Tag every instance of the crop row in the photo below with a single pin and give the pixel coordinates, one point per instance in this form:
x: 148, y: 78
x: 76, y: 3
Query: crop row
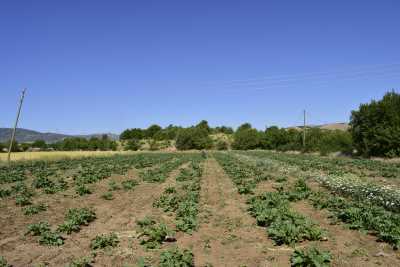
x: 183, y: 199
x: 272, y: 210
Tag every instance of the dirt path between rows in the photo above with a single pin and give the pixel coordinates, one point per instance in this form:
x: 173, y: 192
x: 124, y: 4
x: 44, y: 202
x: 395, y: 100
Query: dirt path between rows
x: 228, y: 235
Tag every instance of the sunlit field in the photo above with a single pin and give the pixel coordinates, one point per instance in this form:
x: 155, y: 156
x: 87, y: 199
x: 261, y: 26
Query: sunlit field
x: 231, y: 208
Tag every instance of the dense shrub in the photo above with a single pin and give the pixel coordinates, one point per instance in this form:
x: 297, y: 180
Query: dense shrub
x: 193, y: 138
x: 375, y: 127
x: 76, y: 143
x: 132, y: 144
x: 246, y: 139
x: 129, y: 134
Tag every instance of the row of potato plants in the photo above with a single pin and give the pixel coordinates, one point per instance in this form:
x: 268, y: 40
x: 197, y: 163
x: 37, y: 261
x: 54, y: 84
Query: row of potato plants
x: 183, y: 198
x: 359, y: 213
x: 272, y: 210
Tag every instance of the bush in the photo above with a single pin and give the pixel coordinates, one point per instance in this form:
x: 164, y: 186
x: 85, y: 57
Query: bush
x: 132, y: 144
x: 246, y: 139
x: 375, y: 127
x: 193, y: 138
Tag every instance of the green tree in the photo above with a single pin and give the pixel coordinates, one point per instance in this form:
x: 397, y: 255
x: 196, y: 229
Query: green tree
x: 193, y: 138
x: 133, y: 144
x: 152, y: 130
x: 204, y: 126
x: 375, y: 127
x: 244, y: 126
x: 135, y: 133
x: 246, y: 138
x: 39, y: 144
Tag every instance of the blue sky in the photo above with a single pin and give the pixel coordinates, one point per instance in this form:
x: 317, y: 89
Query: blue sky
x: 103, y: 66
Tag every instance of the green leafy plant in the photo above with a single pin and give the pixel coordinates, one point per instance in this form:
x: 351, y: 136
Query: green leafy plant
x: 51, y: 239
x: 81, y: 262
x: 311, y: 257
x: 75, y: 218
x: 113, y: 186
x: 107, y: 196
x: 104, y: 241
x: 46, y: 236
x: 129, y: 184
x: 176, y: 258
x: 82, y: 190
x: 34, y: 209
x: 38, y: 228
x: 4, y: 263
x: 152, y: 233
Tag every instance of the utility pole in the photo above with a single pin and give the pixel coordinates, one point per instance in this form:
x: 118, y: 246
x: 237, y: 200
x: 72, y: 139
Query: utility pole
x: 15, y: 126
x: 304, y: 131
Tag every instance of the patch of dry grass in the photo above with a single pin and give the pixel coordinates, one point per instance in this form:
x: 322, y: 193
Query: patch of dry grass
x: 56, y: 155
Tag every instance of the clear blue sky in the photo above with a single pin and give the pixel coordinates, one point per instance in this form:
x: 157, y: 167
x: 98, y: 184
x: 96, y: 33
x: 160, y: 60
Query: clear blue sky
x: 103, y: 66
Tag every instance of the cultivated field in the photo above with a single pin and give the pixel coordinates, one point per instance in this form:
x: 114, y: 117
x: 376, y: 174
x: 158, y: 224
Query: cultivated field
x: 254, y: 208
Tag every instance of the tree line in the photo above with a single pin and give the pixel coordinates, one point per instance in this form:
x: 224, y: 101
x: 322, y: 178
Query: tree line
x: 374, y: 131
x: 67, y: 144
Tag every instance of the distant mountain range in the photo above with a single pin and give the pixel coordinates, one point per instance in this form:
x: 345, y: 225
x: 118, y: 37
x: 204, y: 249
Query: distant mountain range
x: 25, y: 136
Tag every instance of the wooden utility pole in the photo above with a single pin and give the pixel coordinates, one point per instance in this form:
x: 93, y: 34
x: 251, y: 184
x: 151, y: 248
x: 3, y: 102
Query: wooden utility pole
x: 15, y: 126
x: 304, y: 130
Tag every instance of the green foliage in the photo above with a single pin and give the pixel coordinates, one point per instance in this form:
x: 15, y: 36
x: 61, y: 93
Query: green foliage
x: 113, y: 186
x: 5, y: 193
x: 375, y: 127
x: 93, y: 144
x: 51, y: 239
x: 81, y: 262
x: 129, y: 184
x: 38, y: 228
x: 104, y: 241
x: 311, y: 257
x: 152, y: 130
x: 284, y: 225
x: 153, y: 234
x: 176, y: 258
x: 132, y: 134
x: 46, y: 236
x: 3, y: 262
x: 246, y: 139
x: 23, y: 200
x: 75, y: 218
x: 203, y: 125
x: 193, y: 138
x: 39, y: 144
x: 34, y: 209
x: 82, y: 190
x: 107, y: 196
x: 132, y: 144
